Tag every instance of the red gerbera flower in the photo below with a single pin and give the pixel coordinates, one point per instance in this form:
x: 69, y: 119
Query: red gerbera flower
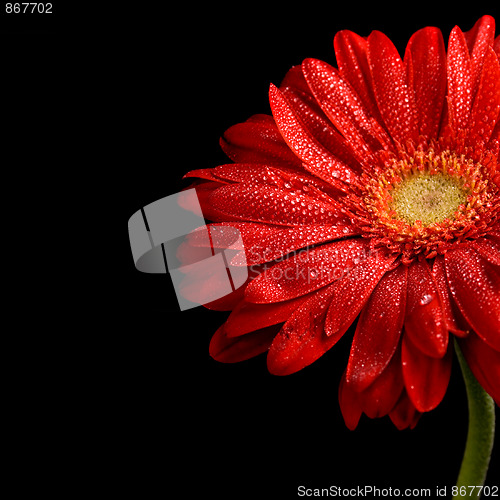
x: 372, y: 191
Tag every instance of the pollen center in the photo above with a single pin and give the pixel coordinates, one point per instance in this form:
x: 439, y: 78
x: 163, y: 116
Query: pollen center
x: 427, y: 201
x: 430, y: 198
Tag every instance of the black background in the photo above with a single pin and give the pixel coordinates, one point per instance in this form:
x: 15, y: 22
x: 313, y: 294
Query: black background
x: 141, y: 95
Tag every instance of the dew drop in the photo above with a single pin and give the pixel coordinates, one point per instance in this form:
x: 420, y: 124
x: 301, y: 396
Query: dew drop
x: 426, y: 299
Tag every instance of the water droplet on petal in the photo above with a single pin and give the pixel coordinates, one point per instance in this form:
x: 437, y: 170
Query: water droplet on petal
x: 426, y: 299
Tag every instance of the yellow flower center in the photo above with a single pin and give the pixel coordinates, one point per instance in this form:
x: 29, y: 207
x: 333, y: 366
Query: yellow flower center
x: 426, y: 202
x: 429, y: 198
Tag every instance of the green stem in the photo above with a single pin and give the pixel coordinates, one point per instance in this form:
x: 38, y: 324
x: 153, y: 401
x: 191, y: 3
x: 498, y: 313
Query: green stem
x: 480, y: 435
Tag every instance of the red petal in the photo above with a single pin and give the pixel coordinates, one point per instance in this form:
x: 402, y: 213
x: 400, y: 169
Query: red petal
x: 247, y: 317
x: 378, y: 330
x: 424, y: 322
x: 204, y: 173
x: 232, y: 350
x: 228, y: 302
x: 284, y: 241
x: 484, y: 363
x: 459, y: 80
x: 494, y: 233
x: 260, y: 243
x: 481, y: 34
x: 353, y: 292
x: 426, y: 55
x: 496, y: 46
x: 351, y: 52
x: 204, y: 190
x: 251, y: 173
x: 295, y: 79
x: 250, y: 232
x: 222, y: 235
x: 494, y: 144
x: 452, y: 316
x: 479, y: 39
x: 254, y: 203
x: 486, y: 105
x: 318, y: 126
x: 381, y: 397
x: 317, y: 158
x: 489, y: 249
x: 307, y: 271
x: 209, y: 285
x: 475, y: 286
x: 404, y: 414
x: 349, y: 404
x: 341, y: 104
x: 391, y: 90
x: 276, y: 176
x: 257, y: 141
x: 301, y: 341
x: 426, y: 379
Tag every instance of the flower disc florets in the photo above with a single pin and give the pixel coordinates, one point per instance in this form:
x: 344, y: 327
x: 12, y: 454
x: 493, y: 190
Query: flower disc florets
x: 427, y: 201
